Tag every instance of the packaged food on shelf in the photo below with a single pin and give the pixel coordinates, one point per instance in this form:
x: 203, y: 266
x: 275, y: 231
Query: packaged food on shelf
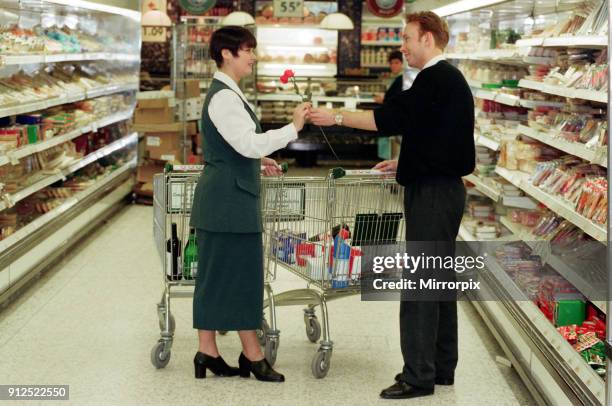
x: 58, y: 82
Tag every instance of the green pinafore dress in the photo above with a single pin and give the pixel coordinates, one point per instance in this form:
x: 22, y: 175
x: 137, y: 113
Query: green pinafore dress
x: 226, y: 214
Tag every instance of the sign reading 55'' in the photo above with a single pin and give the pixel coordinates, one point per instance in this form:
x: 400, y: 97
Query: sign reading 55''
x: 288, y: 8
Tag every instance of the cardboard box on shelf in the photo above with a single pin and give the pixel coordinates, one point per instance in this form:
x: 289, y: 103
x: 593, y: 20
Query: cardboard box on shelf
x: 148, y: 169
x: 164, y: 146
x: 192, y: 89
x: 154, y: 111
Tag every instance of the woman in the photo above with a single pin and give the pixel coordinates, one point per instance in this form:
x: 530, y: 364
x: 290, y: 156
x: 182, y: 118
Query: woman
x: 226, y: 211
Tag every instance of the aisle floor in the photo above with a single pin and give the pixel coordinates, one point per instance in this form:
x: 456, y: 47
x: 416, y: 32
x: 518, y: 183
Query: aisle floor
x: 91, y: 323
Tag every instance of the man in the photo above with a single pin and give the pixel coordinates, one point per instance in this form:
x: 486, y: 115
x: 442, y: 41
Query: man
x: 436, y: 119
x: 396, y: 65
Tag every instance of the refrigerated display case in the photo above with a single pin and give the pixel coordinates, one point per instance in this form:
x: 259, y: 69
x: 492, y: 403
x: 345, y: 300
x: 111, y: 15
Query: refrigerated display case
x: 539, y: 75
x: 68, y: 79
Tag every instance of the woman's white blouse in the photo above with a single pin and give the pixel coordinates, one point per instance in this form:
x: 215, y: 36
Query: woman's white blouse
x: 234, y: 123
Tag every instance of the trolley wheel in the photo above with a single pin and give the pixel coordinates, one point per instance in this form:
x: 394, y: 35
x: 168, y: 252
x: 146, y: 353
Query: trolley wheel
x: 162, y: 322
x: 271, y: 349
x: 321, y: 363
x: 313, y: 329
x: 222, y: 332
x: 263, y: 332
x: 159, y: 355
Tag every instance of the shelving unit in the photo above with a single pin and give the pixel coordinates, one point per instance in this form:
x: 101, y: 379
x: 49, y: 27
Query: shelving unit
x: 8, y: 60
x: 553, y: 370
x: 35, y: 245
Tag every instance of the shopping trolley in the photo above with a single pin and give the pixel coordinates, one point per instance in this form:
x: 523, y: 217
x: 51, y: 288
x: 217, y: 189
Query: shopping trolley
x: 173, y: 193
x: 322, y: 225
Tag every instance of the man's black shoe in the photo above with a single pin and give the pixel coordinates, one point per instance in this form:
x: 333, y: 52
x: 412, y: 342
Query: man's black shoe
x: 439, y: 381
x: 401, y: 390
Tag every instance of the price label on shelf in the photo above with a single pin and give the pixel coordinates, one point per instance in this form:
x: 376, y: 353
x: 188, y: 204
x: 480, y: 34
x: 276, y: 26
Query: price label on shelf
x: 154, y: 34
x: 288, y: 8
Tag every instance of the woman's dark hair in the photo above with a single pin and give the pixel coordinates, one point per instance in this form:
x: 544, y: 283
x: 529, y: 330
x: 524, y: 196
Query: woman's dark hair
x: 231, y: 38
x: 395, y: 55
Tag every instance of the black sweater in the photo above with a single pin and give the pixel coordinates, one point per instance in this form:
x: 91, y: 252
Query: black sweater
x: 436, y: 120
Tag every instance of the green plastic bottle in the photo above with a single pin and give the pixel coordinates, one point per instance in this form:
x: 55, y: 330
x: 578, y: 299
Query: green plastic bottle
x: 190, y: 256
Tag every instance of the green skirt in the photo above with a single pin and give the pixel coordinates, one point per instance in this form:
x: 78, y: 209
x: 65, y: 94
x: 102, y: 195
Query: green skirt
x: 230, y: 281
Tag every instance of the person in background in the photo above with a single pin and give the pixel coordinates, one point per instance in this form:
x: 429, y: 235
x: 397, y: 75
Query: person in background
x: 226, y: 211
x: 396, y: 65
x: 436, y: 120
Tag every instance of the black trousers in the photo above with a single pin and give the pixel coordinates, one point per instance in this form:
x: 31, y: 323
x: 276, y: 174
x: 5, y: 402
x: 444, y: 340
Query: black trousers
x: 428, y: 329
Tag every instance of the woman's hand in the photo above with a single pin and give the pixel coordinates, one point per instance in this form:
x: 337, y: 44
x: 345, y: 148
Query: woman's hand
x: 387, y: 166
x: 270, y: 167
x: 300, y: 114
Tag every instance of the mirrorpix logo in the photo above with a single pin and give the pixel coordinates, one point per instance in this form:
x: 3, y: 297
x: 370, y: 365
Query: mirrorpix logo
x: 197, y: 7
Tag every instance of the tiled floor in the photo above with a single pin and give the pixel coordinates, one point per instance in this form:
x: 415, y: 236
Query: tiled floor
x: 92, y: 322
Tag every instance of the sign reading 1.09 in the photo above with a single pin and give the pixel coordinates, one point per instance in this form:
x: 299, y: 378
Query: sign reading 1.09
x: 197, y: 7
x: 288, y: 8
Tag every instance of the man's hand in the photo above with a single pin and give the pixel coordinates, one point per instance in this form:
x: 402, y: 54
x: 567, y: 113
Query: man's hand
x: 387, y: 166
x: 323, y: 117
x: 379, y: 98
x: 270, y: 167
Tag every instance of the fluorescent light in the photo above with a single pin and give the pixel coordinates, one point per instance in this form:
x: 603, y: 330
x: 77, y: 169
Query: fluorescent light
x: 464, y: 5
x: 134, y: 15
x: 337, y: 21
x: 239, y: 18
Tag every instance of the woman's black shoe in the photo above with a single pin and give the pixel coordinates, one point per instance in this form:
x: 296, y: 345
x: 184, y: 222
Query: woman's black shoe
x: 261, y: 369
x: 217, y: 366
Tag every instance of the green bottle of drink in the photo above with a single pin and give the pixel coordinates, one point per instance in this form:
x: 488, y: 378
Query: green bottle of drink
x: 190, y: 256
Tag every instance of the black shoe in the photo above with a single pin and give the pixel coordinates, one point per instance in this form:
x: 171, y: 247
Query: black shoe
x: 401, y: 390
x: 439, y: 381
x: 217, y: 366
x: 261, y: 369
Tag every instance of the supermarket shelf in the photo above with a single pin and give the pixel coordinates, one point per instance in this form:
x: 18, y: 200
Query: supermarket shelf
x: 61, y: 174
x: 486, y: 142
x: 601, y: 97
x: 555, y: 203
x: 484, y: 187
x: 508, y: 55
x: 539, y: 60
x: 507, y: 99
x: 14, y: 156
x: 574, y: 276
x: 67, y: 98
x: 90, y: 5
x: 598, y: 156
x: 547, y: 334
x: 25, y: 231
x: 6, y: 60
x: 566, y: 41
x: 382, y: 43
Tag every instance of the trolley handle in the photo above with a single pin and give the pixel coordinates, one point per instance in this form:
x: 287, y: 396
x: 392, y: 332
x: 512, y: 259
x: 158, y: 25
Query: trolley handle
x: 337, y: 173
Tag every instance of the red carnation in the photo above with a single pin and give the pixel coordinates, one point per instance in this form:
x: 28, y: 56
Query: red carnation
x: 284, y: 79
x: 289, y: 73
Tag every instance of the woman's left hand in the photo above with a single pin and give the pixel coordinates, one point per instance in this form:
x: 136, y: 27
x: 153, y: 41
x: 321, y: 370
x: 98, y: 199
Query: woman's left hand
x: 270, y: 167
